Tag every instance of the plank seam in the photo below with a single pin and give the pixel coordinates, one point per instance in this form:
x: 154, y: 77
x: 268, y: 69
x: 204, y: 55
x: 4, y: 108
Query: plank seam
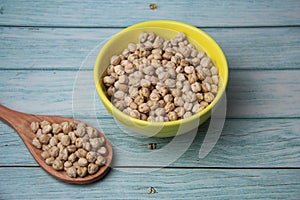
x: 121, y: 27
x: 175, y: 168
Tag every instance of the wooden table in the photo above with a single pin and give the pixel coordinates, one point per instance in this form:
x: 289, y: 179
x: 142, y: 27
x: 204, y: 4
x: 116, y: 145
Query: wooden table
x: 47, y: 51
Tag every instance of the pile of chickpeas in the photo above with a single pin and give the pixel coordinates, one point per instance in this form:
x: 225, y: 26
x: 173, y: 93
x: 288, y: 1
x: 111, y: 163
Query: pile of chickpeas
x: 73, y: 147
x: 161, y: 80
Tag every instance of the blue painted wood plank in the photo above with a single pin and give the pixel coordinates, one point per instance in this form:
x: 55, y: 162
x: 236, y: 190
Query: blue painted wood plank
x: 119, y: 13
x: 66, y: 48
x: 243, y: 143
x: 250, y: 93
x: 34, y: 183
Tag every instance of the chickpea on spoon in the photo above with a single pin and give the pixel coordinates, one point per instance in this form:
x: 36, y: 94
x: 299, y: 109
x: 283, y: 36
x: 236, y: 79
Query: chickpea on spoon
x: 67, y: 149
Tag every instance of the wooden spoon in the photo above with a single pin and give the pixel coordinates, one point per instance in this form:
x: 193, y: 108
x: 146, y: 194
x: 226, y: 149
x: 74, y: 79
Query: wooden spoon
x: 21, y: 123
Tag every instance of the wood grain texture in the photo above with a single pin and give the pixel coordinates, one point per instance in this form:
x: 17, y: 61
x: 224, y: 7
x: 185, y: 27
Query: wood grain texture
x: 66, y: 48
x: 93, y: 13
x: 168, y: 183
x: 253, y: 143
x: 250, y: 93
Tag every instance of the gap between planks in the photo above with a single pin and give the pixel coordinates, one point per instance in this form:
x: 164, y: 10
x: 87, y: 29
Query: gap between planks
x: 175, y: 168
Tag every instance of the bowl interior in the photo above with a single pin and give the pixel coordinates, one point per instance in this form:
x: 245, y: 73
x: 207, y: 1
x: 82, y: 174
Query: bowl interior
x: 166, y: 29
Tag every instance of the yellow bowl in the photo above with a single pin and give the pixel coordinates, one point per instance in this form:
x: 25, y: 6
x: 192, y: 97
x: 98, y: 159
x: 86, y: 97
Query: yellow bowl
x: 167, y: 29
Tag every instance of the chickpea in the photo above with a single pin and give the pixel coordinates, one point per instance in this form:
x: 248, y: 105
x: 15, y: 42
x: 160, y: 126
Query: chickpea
x: 67, y: 164
x: 66, y: 128
x: 71, y: 171
x: 214, y: 70
x: 208, y: 97
x: 201, y: 54
x: 134, y: 114
x: 178, y: 101
x: 205, y: 61
x: 49, y: 161
x: 63, y: 154
x: 44, y: 138
x: 196, y: 87
x: 82, y: 162
x: 159, y: 119
x: 72, y: 158
x: 65, y: 140
x: 169, y: 107
x: 36, y: 143
x: 87, y: 146
x: 199, y: 96
x: 170, y: 83
x: 176, y: 92
x: 206, y: 87
x: 192, y: 78
x: 215, y: 79
x: 119, y: 94
x: 81, y: 153
x: 180, y: 111
x: 206, y: 71
x: 54, y: 151
x: 154, y: 96
x: 91, y: 156
x: 78, y: 142
x: 92, y: 132
x: 188, y: 106
x: 34, y: 126
x: 71, y: 148
x: 96, y: 142
x: 187, y: 114
x: 196, y: 108
x: 46, y: 129
x: 214, y: 89
x: 44, y: 123
x: 167, y: 55
x: 143, y: 108
x: 132, y: 47
x: 111, y: 90
x: 100, y: 161
x: 143, y: 37
x: 72, y: 136
x: 102, y: 151
x: 92, y: 168
x: 45, y: 154
x: 145, y: 92
x: 115, y: 60
x: 109, y: 80
x: 57, y: 165
x: 160, y: 112
x: 82, y: 171
x: 168, y: 98
x: 172, y: 116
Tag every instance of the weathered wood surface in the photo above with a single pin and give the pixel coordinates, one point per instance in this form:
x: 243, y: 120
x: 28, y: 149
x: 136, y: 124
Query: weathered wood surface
x: 44, y: 70
x: 120, y: 13
x: 66, y: 48
x: 253, y: 143
x: 169, y: 184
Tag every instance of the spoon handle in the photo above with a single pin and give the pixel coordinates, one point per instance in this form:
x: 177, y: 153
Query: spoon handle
x: 13, y: 118
x: 18, y: 121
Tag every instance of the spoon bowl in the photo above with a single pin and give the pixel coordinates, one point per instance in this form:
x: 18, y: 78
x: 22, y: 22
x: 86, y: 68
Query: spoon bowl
x: 21, y: 123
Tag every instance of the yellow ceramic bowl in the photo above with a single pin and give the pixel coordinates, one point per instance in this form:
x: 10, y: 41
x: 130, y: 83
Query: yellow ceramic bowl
x: 167, y: 29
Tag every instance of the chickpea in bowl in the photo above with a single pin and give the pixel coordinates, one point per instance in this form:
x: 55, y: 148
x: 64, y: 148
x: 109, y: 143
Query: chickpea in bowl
x: 160, y: 78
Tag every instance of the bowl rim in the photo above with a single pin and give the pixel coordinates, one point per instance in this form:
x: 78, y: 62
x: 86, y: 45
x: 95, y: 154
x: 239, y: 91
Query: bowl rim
x: 154, y: 23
